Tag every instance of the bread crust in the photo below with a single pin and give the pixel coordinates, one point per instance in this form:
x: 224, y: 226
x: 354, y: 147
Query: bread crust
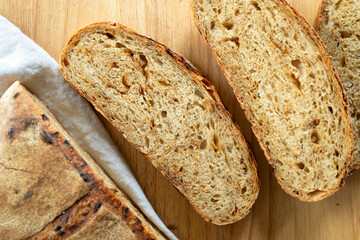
x: 196, y: 75
x: 28, y: 156
x: 99, y: 187
x: 339, y: 91
x: 320, y: 17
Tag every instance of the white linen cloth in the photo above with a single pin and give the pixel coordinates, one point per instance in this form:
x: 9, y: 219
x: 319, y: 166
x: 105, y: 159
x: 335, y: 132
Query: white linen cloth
x: 21, y: 59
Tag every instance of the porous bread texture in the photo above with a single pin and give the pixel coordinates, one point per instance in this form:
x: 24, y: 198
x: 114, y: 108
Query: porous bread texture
x: 339, y: 28
x: 167, y: 111
x: 291, y: 94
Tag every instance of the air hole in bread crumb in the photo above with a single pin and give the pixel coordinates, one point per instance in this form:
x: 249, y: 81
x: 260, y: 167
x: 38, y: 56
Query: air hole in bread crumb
x: 331, y: 110
x: 125, y: 80
x: 215, y: 198
x: 286, y: 34
x: 212, y: 25
x: 337, y: 166
x: 199, y: 94
x: 163, y: 82
x: 343, y: 62
x: 161, y: 141
x: 312, y: 75
x: 216, y: 139
x: 107, y: 45
x: 114, y: 65
x: 147, y: 142
x: 203, y: 144
x: 243, y: 190
x: 119, y: 45
x: 143, y: 61
x: 66, y: 62
x: 296, y: 37
x: 300, y: 165
x: 158, y: 61
x: 337, y: 154
x: 297, y: 63
x: 181, y: 169
x: 76, y: 43
x: 306, y: 169
x: 256, y: 6
x: 129, y: 52
x: 237, y: 12
x: 200, y: 105
x: 110, y: 36
x: 315, y: 137
x: 228, y: 25
x: 163, y: 114
x: 234, y: 40
x: 345, y: 34
x: 315, y: 123
x: 212, y: 123
x: 295, y: 81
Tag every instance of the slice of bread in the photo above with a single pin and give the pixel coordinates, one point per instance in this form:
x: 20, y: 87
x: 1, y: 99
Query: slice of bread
x: 169, y: 112
x: 291, y: 94
x: 339, y: 28
x: 50, y: 188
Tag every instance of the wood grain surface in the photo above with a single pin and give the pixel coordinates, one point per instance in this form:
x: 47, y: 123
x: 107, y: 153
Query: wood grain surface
x: 275, y: 214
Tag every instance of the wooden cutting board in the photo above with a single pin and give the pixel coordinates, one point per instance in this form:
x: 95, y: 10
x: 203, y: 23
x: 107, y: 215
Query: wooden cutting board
x: 275, y: 214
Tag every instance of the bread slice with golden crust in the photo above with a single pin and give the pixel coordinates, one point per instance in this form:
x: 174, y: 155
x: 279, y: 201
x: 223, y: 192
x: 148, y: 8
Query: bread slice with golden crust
x: 339, y: 28
x: 169, y: 112
x: 283, y: 78
x: 46, y: 176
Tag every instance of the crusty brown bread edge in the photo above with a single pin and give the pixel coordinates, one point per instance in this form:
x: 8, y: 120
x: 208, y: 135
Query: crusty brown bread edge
x: 205, y: 83
x: 96, y: 170
x: 316, y: 38
x: 319, y: 18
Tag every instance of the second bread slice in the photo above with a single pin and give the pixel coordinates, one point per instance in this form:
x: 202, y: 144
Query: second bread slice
x: 291, y: 94
x: 339, y: 27
x: 167, y: 111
